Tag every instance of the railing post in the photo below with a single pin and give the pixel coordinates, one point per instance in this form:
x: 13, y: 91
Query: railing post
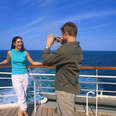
x: 101, y: 93
x: 34, y: 91
x: 96, y: 92
x: 87, y: 101
x: 35, y: 95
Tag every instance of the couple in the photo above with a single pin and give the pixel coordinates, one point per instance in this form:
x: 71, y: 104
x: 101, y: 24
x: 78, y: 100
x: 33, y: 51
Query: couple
x: 67, y: 60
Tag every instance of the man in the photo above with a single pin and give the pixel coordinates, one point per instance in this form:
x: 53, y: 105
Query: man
x: 67, y: 60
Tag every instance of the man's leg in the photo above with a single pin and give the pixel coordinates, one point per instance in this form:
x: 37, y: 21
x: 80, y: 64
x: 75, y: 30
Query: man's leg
x: 65, y: 103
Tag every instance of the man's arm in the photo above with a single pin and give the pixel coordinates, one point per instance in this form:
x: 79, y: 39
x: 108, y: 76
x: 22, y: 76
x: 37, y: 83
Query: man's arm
x: 51, y: 59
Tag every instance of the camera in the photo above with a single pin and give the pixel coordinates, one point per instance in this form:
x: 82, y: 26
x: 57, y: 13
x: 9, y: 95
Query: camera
x: 55, y: 39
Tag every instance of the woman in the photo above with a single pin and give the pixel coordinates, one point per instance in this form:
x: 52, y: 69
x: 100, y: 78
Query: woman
x: 18, y: 56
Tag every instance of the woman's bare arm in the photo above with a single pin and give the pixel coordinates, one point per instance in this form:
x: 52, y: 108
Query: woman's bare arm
x: 31, y: 61
x: 7, y: 59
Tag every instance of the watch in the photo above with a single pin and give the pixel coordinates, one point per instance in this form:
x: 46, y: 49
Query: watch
x: 47, y: 47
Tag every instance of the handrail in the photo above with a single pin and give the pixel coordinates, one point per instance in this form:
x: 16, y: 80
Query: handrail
x: 84, y: 82
x: 81, y: 67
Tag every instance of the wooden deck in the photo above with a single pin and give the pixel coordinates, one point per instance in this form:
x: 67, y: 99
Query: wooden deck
x: 48, y: 110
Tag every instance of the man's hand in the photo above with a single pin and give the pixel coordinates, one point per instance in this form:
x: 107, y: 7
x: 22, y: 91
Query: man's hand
x: 60, y: 39
x: 50, y: 41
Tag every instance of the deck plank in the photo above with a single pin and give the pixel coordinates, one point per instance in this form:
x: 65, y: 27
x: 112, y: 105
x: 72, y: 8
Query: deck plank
x: 39, y: 111
x: 1, y: 113
x: 7, y: 112
x: 13, y: 112
x: 48, y: 111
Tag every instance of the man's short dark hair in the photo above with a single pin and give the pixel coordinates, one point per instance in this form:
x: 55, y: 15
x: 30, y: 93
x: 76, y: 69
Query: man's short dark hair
x: 71, y: 28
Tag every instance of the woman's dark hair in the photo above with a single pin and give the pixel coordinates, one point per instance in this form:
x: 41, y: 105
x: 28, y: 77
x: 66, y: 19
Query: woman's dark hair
x: 14, y: 40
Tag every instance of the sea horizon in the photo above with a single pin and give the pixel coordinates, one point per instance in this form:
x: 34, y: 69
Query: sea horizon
x: 56, y: 49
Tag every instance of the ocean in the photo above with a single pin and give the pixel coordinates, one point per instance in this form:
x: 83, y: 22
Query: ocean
x: 90, y: 58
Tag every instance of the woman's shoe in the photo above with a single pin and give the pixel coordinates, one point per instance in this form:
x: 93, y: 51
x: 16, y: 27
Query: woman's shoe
x: 43, y: 101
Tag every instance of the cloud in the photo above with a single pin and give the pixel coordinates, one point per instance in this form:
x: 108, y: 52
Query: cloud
x: 76, y: 4
x: 90, y: 15
x: 46, y: 2
x: 38, y: 20
x: 32, y: 25
x: 42, y: 24
x: 25, y: 2
x: 24, y: 29
x: 41, y: 3
x: 55, y: 24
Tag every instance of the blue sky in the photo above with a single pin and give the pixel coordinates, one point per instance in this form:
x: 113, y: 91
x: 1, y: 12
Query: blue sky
x: 35, y: 19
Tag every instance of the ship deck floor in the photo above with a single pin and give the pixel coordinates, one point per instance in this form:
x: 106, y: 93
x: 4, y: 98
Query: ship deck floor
x: 48, y: 109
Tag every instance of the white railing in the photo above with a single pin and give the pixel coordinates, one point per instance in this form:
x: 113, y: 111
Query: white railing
x: 95, y: 91
x: 84, y: 82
